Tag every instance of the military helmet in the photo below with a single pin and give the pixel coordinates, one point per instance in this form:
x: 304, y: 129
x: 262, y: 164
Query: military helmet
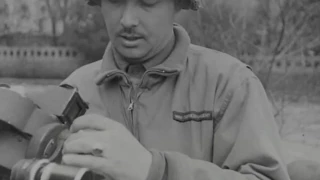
x: 185, y: 4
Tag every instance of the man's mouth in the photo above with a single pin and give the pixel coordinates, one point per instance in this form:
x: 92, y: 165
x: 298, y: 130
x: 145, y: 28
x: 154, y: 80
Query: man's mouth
x: 130, y: 41
x: 131, y: 38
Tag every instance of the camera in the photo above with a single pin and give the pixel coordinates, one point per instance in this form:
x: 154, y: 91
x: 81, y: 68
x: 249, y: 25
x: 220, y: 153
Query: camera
x: 33, y: 129
x: 43, y: 169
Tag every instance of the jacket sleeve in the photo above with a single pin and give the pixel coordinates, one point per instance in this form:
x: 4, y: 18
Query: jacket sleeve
x: 246, y: 143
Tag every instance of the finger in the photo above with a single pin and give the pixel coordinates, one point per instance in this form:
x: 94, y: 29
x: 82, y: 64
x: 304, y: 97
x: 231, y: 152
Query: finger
x: 85, y: 146
x: 93, y: 121
x: 97, y: 164
x: 86, y: 134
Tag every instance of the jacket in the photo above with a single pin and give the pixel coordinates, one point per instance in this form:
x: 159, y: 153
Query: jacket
x: 203, y: 114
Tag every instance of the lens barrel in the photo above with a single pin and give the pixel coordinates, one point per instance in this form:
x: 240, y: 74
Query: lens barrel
x: 43, y: 169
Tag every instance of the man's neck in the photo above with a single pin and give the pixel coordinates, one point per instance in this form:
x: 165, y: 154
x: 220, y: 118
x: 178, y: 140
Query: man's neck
x: 154, y: 60
x: 162, y: 55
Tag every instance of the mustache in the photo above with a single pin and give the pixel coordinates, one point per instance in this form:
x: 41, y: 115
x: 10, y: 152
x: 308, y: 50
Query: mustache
x: 130, y: 33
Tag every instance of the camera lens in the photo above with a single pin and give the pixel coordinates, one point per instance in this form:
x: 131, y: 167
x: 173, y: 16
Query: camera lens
x: 43, y: 169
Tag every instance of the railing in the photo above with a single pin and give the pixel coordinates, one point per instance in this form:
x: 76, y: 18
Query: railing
x: 43, y: 53
x: 292, y: 64
x: 39, y: 62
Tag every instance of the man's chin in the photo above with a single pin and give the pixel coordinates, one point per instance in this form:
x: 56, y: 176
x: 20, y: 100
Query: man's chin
x: 131, y: 53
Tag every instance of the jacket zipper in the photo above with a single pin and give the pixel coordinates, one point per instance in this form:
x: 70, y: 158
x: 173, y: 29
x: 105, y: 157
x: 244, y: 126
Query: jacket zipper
x: 129, y: 122
x: 134, y: 123
x: 134, y: 97
x: 130, y: 109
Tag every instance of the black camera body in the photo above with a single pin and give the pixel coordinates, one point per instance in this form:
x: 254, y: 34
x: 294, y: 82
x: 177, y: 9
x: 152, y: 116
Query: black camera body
x: 33, y: 130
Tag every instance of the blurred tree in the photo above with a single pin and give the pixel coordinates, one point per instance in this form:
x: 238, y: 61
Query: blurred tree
x: 251, y: 30
x: 82, y: 25
x: 85, y: 29
x: 266, y: 32
x: 4, y: 13
x: 25, y: 12
x: 289, y: 32
x: 57, y: 10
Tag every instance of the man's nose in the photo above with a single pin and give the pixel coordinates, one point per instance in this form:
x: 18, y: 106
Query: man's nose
x: 129, y: 16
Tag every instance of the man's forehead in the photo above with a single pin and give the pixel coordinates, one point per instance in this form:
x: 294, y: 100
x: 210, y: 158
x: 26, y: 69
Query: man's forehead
x: 185, y: 4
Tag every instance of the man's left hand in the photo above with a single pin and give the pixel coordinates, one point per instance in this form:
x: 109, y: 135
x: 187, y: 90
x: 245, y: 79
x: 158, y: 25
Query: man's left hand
x: 107, y: 147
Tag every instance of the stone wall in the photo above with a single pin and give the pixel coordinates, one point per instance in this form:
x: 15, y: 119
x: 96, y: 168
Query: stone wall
x: 290, y: 64
x: 59, y: 62
x: 39, y: 62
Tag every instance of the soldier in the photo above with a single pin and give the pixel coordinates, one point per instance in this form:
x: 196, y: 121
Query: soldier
x: 163, y: 108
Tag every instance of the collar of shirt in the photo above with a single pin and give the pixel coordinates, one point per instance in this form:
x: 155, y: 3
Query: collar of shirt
x: 175, y: 62
x: 155, y: 60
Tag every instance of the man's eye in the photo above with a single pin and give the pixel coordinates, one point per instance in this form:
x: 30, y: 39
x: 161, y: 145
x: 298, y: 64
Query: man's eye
x: 149, y: 2
x: 114, y: 1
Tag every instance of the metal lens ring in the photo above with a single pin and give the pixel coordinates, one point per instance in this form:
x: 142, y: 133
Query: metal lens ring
x: 43, y: 169
x: 54, y: 171
x: 35, y: 168
x: 27, y: 169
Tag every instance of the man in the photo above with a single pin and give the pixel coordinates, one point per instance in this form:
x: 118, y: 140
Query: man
x: 162, y: 108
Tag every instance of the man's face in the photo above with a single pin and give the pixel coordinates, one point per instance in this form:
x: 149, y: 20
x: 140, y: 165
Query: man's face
x: 138, y: 28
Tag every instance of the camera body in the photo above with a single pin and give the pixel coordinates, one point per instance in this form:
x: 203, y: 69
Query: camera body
x: 33, y: 130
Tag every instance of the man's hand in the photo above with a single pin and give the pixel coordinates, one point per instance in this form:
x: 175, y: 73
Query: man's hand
x: 107, y: 147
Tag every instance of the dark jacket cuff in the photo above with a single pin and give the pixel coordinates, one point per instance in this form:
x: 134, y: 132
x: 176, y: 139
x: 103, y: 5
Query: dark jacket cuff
x: 158, y: 166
